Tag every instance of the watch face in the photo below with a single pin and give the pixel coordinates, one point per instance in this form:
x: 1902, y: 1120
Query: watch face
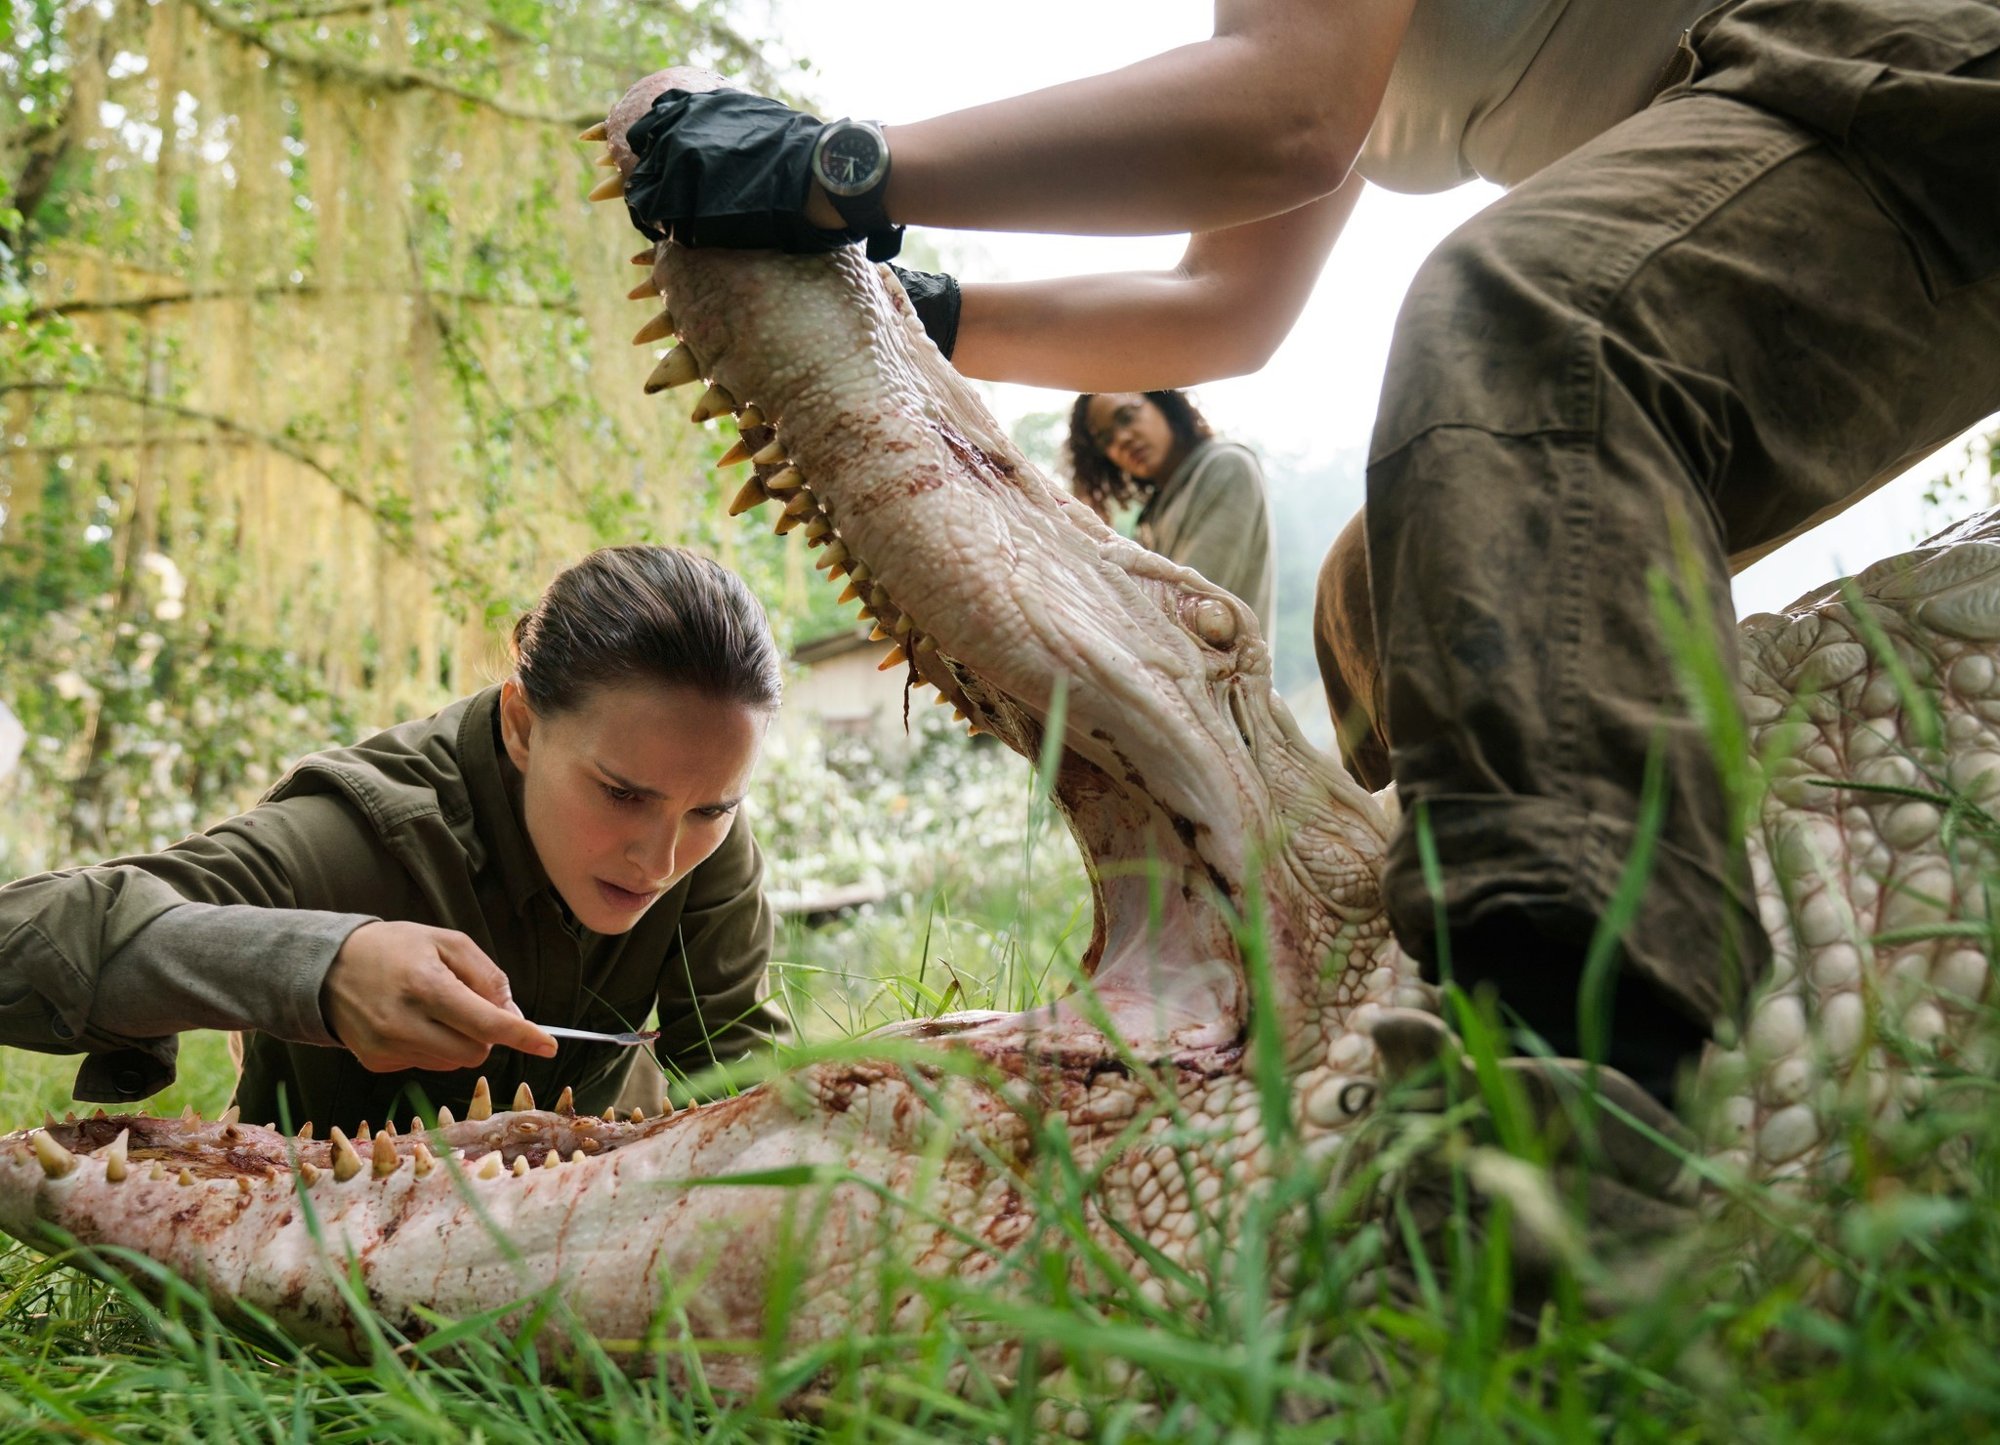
x: 851, y: 159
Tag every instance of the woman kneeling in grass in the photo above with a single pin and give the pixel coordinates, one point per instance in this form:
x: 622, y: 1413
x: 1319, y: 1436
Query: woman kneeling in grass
x: 562, y: 847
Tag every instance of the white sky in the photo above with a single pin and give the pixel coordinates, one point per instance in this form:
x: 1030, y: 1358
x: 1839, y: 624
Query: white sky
x: 1317, y: 396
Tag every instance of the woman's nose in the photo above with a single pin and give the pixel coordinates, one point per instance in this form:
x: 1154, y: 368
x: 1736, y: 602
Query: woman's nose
x: 653, y: 852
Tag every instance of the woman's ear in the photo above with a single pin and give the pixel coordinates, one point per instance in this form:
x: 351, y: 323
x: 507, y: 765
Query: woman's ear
x: 517, y: 722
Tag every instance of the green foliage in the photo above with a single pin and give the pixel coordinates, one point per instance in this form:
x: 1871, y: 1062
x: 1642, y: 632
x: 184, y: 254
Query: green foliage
x: 303, y: 312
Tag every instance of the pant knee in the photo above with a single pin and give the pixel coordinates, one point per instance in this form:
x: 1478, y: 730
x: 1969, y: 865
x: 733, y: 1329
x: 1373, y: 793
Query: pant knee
x: 1344, y: 643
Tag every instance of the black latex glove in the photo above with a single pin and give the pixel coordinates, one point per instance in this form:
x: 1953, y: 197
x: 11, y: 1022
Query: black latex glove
x: 935, y: 298
x: 722, y: 168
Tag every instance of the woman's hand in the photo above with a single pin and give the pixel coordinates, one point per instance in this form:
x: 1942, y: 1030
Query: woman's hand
x: 408, y: 996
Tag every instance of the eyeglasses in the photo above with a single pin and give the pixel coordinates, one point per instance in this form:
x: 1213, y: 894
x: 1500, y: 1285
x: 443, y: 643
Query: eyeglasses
x: 1121, y: 420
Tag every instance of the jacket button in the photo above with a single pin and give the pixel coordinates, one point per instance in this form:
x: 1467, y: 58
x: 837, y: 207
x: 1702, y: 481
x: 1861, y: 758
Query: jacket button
x: 129, y: 1084
x: 60, y: 1028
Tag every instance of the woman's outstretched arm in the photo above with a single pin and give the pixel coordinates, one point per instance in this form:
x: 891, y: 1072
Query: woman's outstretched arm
x: 1221, y: 312
x: 1263, y: 117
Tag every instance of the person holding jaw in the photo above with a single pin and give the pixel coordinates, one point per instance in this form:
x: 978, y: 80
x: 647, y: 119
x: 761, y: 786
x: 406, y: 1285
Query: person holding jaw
x: 563, y: 847
x: 1747, y: 269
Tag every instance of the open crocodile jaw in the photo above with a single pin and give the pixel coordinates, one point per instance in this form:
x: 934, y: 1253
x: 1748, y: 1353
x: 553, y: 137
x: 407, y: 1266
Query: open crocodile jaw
x: 1003, y: 591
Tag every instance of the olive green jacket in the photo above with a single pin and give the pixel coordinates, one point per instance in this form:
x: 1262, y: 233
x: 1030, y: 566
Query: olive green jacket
x: 236, y: 927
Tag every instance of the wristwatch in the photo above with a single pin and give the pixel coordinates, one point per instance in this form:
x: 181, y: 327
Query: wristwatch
x: 850, y: 160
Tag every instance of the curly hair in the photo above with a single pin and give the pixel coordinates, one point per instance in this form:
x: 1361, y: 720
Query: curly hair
x: 1096, y: 480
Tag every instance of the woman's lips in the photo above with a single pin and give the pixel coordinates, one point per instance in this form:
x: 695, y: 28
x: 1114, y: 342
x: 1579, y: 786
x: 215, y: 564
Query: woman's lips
x: 624, y: 899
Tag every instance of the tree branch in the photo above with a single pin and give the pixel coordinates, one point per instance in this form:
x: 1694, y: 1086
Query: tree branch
x: 566, y: 304
x: 283, y: 446
x: 369, y: 77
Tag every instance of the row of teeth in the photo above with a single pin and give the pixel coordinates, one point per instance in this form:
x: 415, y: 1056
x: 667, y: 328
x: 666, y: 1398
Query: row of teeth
x: 383, y: 1161
x: 775, y: 478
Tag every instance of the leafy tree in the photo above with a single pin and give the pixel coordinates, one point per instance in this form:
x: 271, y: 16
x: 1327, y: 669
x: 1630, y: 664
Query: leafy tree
x: 313, y: 368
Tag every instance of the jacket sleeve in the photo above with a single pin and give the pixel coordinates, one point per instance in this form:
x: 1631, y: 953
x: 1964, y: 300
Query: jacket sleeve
x: 233, y: 928
x: 715, y: 1003
x: 1224, y: 533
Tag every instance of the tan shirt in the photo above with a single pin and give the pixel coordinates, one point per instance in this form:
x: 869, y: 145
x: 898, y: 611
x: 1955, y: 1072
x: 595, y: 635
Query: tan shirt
x: 1500, y: 88
x: 1213, y: 515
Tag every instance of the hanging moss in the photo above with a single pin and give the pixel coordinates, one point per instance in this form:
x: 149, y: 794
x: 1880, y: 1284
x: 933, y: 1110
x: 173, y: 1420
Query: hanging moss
x: 320, y: 307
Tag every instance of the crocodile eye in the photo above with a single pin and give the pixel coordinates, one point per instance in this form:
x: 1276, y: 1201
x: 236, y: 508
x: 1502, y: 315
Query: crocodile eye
x: 1214, y: 623
x: 1356, y: 1097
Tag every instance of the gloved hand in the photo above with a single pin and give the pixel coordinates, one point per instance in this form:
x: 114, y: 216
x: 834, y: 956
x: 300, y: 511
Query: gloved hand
x: 935, y: 298
x: 724, y: 168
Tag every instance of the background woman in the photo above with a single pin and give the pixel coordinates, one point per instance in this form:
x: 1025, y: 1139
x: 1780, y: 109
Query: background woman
x: 1201, y: 499
x: 562, y: 847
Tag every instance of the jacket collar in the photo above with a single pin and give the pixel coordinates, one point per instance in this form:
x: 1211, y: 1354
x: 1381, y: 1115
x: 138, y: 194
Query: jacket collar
x: 493, y: 784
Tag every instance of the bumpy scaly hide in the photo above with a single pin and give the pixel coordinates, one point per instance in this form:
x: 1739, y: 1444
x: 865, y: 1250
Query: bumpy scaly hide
x: 1204, y: 818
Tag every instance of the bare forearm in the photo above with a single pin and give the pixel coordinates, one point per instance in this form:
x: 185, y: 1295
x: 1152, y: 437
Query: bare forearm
x: 1258, y: 120
x: 1221, y: 312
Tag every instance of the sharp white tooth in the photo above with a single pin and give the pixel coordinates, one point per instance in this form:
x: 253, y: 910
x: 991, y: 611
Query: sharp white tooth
x: 115, y: 1156
x: 609, y: 1116
x: 524, y: 1098
x: 831, y: 559
x: 346, y: 1163
x: 790, y: 479
x: 608, y: 188
x: 644, y: 291
x: 607, y: 160
x: 738, y: 452
x: 804, y: 504
x: 520, y: 1165
x: 753, y: 414
x: 482, y: 1101
x: 596, y: 132
x: 677, y: 368
x: 896, y: 658
x: 850, y: 591
x: 386, y: 1160
x: 646, y: 257
x: 772, y: 453
x: 753, y: 495
x: 231, y: 1115
x: 817, y: 528
x: 716, y: 401
x: 490, y: 1166
x: 659, y: 326
x: 55, y: 1160
x: 638, y: 1115
x: 576, y: 1156
x: 566, y: 1101
x: 445, y: 1119
x: 861, y: 574
x: 422, y: 1161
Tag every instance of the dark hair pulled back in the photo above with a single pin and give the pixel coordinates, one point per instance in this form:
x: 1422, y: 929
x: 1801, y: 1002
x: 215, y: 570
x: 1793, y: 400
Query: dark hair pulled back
x: 1093, y: 476
x: 641, y: 612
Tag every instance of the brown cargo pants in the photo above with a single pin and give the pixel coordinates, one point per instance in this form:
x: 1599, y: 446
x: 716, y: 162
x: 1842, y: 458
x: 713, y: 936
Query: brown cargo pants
x: 1723, y: 320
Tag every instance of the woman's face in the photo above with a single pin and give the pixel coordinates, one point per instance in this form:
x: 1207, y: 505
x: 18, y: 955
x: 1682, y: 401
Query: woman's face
x: 1133, y: 434
x: 626, y: 793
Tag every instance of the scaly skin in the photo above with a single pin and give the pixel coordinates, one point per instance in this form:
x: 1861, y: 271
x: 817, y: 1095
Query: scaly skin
x: 1197, y: 806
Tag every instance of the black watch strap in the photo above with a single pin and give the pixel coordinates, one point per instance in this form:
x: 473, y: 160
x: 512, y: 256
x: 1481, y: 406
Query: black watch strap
x: 864, y: 213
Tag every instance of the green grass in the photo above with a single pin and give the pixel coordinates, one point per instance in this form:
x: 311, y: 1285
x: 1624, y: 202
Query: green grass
x: 1867, y: 1311
x: 1733, y: 1338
